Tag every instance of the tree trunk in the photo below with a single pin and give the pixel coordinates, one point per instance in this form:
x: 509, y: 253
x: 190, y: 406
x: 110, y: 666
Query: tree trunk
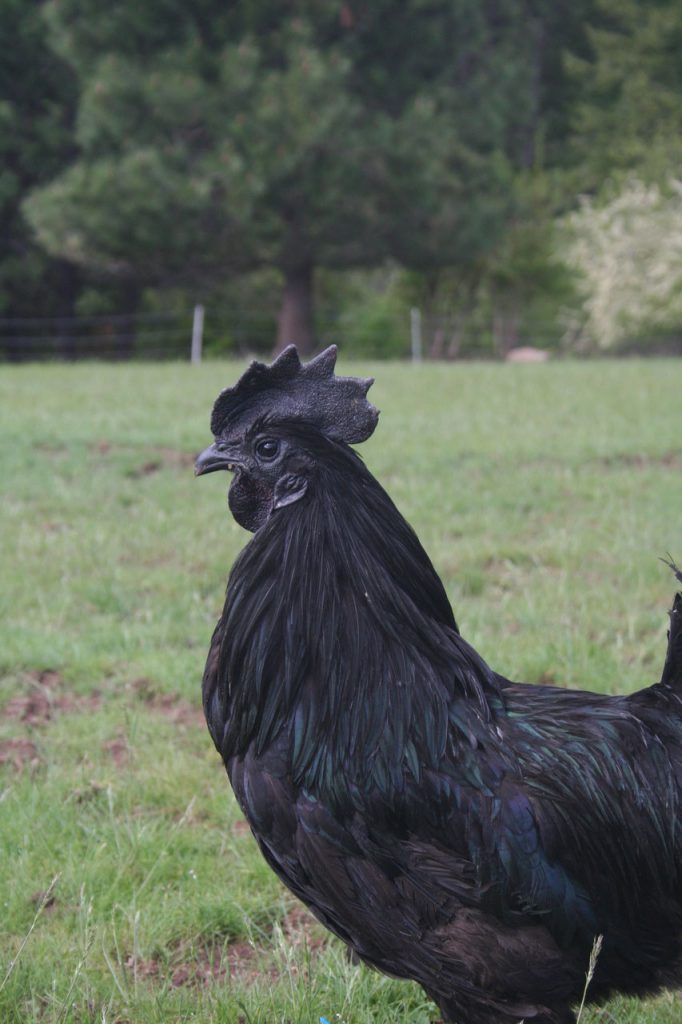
x: 295, y: 321
x: 457, y: 335
x: 437, y: 346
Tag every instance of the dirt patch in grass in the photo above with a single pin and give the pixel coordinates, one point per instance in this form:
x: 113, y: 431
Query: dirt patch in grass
x: 177, y: 710
x: 47, y: 677
x: 163, y: 458
x: 50, y: 448
x: 118, y: 750
x: 82, y: 794
x: 200, y: 966
x: 175, y: 458
x: 172, y: 708
x: 41, y: 699
x: 636, y: 460
x: 301, y: 929
x: 44, y: 697
x: 19, y: 753
x: 32, y: 708
x: 238, y: 961
x: 155, y: 458
x: 203, y: 966
x: 45, y: 899
x: 146, y: 469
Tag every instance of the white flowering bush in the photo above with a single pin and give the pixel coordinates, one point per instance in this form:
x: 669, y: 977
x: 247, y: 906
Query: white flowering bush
x: 628, y: 254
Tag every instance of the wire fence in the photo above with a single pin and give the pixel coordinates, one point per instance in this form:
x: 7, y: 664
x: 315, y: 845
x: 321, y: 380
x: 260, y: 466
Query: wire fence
x: 184, y: 334
x: 119, y: 336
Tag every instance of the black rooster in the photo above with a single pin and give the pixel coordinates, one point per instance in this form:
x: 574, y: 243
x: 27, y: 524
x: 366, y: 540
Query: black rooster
x: 451, y: 826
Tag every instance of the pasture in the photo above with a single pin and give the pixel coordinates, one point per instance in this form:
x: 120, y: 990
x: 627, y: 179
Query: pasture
x: 131, y: 890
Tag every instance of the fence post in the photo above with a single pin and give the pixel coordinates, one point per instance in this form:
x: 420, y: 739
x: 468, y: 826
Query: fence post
x: 416, y: 334
x: 197, y: 334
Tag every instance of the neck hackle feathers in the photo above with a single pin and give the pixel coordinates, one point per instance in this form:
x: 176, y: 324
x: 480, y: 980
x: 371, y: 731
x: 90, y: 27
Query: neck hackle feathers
x: 287, y: 389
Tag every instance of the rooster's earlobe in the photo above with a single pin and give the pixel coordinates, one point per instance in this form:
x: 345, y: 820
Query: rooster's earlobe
x: 288, y: 489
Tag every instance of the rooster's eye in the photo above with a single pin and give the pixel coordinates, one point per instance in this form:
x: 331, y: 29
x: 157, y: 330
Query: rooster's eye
x: 267, y: 449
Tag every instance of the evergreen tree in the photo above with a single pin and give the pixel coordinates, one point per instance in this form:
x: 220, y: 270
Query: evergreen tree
x: 629, y: 115
x: 37, y: 101
x: 216, y: 139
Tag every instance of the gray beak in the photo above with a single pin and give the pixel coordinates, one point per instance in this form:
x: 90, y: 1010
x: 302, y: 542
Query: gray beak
x: 214, y: 458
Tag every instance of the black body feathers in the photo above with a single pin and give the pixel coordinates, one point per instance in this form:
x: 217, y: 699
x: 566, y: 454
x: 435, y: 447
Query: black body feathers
x: 451, y: 826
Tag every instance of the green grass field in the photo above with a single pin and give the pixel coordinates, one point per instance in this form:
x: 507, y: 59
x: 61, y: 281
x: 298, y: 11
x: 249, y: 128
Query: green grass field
x: 131, y: 890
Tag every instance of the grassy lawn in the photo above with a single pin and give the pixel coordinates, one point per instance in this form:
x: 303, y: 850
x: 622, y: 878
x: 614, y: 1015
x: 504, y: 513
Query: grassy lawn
x: 131, y: 890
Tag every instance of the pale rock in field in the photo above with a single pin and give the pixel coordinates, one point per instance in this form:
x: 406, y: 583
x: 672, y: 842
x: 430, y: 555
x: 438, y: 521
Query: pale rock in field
x: 527, y: 354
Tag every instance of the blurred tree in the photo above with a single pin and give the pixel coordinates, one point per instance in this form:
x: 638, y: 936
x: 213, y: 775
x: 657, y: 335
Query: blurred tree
x: 519, y: 268
x: 627, y: 147
x: 629, y: 254
x: 215, y: 139
x: 37, y: 105
x: 628, y: 115
x: 525, y: 264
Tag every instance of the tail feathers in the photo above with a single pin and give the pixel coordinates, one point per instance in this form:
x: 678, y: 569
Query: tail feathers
x: 672, y: 670
x: 668, y: 560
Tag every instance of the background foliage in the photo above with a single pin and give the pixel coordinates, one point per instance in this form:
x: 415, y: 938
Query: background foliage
x: 318, y: 168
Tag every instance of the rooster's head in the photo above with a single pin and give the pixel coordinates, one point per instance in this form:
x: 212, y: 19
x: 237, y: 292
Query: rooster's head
x: 261, y: 423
